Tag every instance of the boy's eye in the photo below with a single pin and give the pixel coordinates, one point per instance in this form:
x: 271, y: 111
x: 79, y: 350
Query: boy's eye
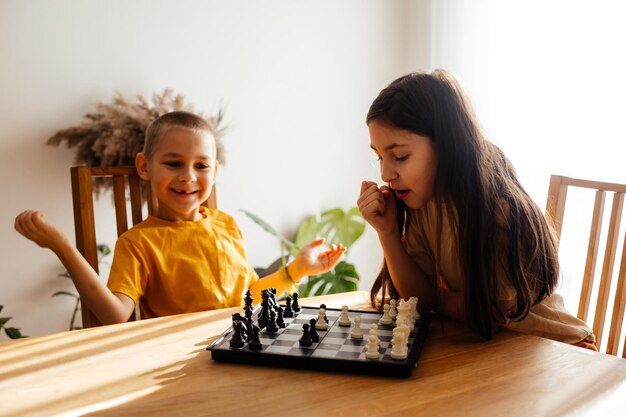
x: 173, y: 164
x: 203, y: 166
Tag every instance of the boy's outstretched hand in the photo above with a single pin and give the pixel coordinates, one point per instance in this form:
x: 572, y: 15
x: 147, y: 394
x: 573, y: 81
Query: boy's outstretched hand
x: 310, y: 261
x: 31, y: 225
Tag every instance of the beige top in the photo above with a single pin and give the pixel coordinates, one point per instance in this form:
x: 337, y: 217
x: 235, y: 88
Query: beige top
x: 547, y: 319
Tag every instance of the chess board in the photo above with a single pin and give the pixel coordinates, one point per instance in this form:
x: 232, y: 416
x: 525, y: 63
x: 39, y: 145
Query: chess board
x: 335, y: 351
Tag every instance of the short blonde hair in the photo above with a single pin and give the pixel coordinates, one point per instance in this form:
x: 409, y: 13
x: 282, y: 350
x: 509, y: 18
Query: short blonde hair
x: 178, y: 119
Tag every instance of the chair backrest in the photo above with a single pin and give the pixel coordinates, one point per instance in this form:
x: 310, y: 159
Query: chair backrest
x: 555, y: 210
x: 84, y: 222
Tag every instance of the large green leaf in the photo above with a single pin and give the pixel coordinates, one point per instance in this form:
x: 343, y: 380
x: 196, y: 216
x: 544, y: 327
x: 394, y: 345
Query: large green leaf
x: 265, y: 226
x: 343, y: 278
x: 3, y: 320
x: 335, y: 225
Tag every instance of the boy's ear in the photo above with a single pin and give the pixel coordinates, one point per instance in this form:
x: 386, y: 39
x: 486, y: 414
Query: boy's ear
x: 141, y: 164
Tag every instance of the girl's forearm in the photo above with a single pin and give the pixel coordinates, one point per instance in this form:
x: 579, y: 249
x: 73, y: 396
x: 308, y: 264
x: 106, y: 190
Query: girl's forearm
x: 405, y: 274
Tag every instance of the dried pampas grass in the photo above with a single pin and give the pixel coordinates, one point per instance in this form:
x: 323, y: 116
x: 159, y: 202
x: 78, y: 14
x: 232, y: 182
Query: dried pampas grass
x: 114, y: 133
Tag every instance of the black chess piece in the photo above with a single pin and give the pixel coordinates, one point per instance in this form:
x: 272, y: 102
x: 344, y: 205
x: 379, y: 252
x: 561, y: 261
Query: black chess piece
x: 315, y: 336
x: 272, y: 327
x: 305, y: 340
x: 236, y: 341
x: 279, y: 317
x: 248, y: 299
x: 272, y: 293
x: 255, y: 341
x: 295, y: 306
x: 324, y: 307
x: 264, y: 315
x: 288, y: 310
x: 249, y: 325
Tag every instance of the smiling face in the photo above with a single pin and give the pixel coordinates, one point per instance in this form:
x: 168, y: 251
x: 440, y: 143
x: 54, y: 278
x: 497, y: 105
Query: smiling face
x: 181, y: 170
x: 407, y: 162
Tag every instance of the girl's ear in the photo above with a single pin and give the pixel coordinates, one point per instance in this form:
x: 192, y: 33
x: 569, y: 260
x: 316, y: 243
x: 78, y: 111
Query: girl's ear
x: 141, y: 164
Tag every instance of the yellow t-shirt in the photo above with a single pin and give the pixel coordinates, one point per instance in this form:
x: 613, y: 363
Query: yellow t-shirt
x: 548, y: 319
x: 182, y: 267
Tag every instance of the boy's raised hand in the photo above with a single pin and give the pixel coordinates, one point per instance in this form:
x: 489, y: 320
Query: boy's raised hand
x: 310, y: 261
x: 31, y: 225
x: 378, y: 207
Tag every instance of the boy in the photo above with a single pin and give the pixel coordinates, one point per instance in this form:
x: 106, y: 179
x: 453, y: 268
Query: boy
x: 186, y: 257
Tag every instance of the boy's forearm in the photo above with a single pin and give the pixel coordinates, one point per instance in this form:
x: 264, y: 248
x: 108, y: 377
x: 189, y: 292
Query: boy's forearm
x: 93, y: 292
x: 276, y: 280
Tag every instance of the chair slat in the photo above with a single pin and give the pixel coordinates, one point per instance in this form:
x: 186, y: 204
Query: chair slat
x: 607, y: 267
x: 119, y: 198
x: 592, y: 255
x: 555, y: 207
x: 618, y: 308
x: 135, y: 198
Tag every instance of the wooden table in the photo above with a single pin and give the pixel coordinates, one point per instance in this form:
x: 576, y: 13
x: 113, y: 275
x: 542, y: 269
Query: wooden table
x: 160, y: 367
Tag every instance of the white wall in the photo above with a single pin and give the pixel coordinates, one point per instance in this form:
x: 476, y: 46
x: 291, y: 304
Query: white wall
x: 296, y: 78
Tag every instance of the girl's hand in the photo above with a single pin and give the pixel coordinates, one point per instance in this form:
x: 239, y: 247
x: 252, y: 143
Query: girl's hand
x: 31, y: 225
x: 378, y: 208
x: 312, y: 262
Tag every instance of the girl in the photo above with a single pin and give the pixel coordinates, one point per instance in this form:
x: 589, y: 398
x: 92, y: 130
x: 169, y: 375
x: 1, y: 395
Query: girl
x: 456, y: 227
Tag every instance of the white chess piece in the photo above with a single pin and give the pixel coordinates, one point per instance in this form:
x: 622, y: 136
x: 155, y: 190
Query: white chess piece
x: 372, y: 348
x: 374, y: 332
x: 386, y: 318
x: 357, y: 332
x: 320, y: 324
x: 344, y: 320
x: 392, y: 309
x: 414, y: 314
x: 399, y: 351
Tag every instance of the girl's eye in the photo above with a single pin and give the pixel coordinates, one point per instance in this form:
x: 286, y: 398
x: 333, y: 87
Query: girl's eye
x: 401, y: 158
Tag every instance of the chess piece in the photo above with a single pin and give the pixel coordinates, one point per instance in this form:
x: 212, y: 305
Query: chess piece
x: 372, y: 348
x: 272, y: 297
x: 392, y: 309
x: 296, y: 306
x: 320, y: 324
x: 236, y: 341
x: 243, y: 328
x: 248, y: 299
x: 398, y: 351
x: 279, y: 317
x: 264, y: 315
x: 357, y: 332
x: 386, y: 318
x: 288, y: 310
x: 344, y: 320
x: 324, y: 307
x: 255, y: 341
x: 305, y: 340
x: 272, y: 326
x: 314, y: 334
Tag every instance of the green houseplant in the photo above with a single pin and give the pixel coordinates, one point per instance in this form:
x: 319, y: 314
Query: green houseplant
x: 336, y: 226
x: 11, y: 332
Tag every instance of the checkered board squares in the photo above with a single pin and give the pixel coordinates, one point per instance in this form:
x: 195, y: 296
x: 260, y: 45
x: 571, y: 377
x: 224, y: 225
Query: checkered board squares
x: 335, y: 351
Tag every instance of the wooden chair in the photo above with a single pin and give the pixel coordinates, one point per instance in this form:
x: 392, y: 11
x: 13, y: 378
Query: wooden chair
x: 555, y: 210
x: 84, y: 222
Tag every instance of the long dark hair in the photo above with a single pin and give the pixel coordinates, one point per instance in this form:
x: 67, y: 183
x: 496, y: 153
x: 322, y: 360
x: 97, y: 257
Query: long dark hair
x: 483, y: 200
